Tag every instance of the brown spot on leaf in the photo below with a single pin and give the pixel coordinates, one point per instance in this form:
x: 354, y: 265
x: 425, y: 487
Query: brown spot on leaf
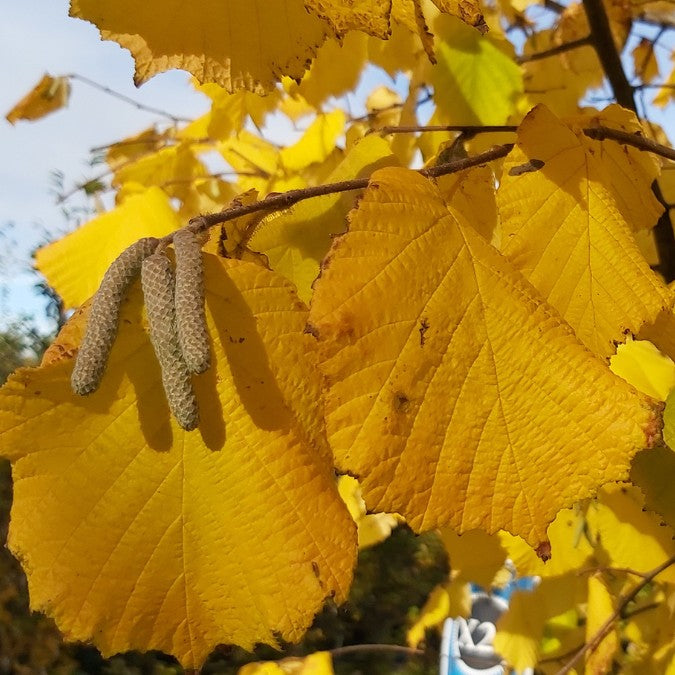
x: 401, y: 402
x: 528, y: 167
x: 424, y: 327
x: 543, y: 551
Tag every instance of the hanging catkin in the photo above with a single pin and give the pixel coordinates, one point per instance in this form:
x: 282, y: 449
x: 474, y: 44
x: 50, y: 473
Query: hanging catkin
x: 189, y: 298
x: 101, y: 331
x: 158, y: 289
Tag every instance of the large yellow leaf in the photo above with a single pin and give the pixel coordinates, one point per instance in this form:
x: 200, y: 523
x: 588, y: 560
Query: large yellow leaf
x: 47, y: 96
x: 631, y: 536
x: 75, y: 264
x: 474, y: 556
x: 455, y: 394
x: 521, y: 628
x: 138, y: 535
x: 563, y: 228
x: 297, y: 239
x: 239, y: 44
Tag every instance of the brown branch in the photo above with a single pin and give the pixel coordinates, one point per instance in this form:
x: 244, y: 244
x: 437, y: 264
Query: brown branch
x: 640, y: 142
x: 606, y: 627
x: 463, y: 128
x: 605, y: 47
x: 357, y: 649
x: 116, y: 94
x: 284, y: 200
x: 558, y: 49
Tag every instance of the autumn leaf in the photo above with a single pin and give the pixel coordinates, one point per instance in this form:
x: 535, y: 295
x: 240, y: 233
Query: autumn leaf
x: 474, y: 556
x: 563, y: 228
x: 178, y: 541
x: 600, y: 608
x: 47, y: 96
x: 271, y: 38
x: 319, y: 663
x: 296, y: 240
x: 475, y: 79
x: 75, y: 264
x: 427, y: 336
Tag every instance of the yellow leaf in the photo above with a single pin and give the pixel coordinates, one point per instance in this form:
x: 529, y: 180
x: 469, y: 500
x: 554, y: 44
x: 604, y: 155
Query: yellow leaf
x: 631, y: 537
x: 473, y: 194
x: 476, y: 80
x: 174, y: 169
x: 427, y: 337
x: 476, y: 556
x: 296, y: 240
x: 644, y: 60
x: 47, y: 96
x: 240, y: 44
x: 665, y: 95
x: 137, y: 535
x: 563, y: 229
x: 600, y: 608
x: 372, y: 527
x: 319, y: 663
x: 335, y: 70
x: 521, y: 628
x: 570, y: 551
x: 645, y: 367
x: 316, y: 143
x: 449, y: 599
x: 653, y: 472
x: 229, y: 111
x: 134, y: 147
x: 75, y: 264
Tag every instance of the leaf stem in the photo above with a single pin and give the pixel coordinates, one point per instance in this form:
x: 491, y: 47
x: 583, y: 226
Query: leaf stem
x: 624, y: 600
x: 122, y: 97
x: 471, y: 129
x: 558, y: 49
x: 356, y: 649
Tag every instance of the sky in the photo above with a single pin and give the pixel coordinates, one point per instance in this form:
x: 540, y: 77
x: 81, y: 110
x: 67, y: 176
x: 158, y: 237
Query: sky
x: 36, y: 37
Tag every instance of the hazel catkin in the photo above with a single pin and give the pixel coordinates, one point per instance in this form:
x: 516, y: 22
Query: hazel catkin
x: 92, y: 356
x: 158, y: 290
x: 193, y: 335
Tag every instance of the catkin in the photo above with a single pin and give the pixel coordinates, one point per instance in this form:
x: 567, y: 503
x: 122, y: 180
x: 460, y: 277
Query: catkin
x: 101, y: 331
x: 189, y: 300
x: 158, y: 289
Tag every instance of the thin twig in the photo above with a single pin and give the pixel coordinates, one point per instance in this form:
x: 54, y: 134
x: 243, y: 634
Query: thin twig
x: 601, y: 133
x: 116, y: 94
x: 393, y: 106
x: 465, y: 129
x: 356, y: 649
x: 665, y: 85
x: 558, y: 49
x: 606, y: 627
x: 284, y: 200
x: 611, y: 570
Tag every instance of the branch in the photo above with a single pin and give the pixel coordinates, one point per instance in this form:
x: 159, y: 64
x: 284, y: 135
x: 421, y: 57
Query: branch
x: 609, y: 56
x: 356, y: 649
x: 640, y: 142
x: 603, y: 43
x: 558, y: 49
x: 284, y: 200
x: 465, y: 129
x: 599, y: 636
x: 141, y: 106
